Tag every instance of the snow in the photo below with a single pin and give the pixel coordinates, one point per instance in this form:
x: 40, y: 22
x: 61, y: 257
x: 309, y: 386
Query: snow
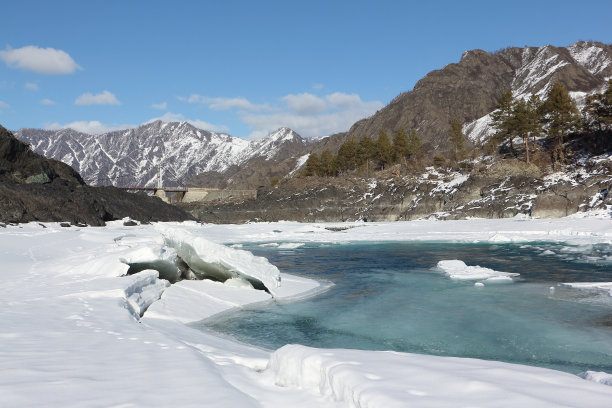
x: 479, y: 130
x: 590, y: 56
x: 76, y: 331
x: 456, y: 269
x: 370, y: 379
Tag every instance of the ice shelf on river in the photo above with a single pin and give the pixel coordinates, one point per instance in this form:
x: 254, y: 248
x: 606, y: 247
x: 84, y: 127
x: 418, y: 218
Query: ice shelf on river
x: 72, y: 334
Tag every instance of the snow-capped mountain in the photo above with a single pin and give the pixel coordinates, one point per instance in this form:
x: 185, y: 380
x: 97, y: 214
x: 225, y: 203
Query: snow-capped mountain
x: 132, y: 157
x: 584, y: 67
x: 468, y: 90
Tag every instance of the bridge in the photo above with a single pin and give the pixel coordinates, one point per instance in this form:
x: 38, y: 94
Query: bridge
x: 174, y: 195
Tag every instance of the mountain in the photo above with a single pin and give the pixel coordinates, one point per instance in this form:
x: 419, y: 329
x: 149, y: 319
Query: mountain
x: 34, y: 188
x: 468, y: 90
x: 131, y: 157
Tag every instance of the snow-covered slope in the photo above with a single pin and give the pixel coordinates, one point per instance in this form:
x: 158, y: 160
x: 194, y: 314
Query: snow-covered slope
x: 584, y: 67
x: 131, y: 157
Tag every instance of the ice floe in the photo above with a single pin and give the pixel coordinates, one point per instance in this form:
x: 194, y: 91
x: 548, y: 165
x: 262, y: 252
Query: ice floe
x: 456, y: 269
x: 603, y: 287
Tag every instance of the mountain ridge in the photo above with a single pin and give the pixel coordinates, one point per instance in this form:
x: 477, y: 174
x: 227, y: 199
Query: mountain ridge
x: 131, y: 157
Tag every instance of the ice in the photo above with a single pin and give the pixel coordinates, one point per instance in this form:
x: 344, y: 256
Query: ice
x: 219, y: 261
x: 390, y: 379
x: 456, y: 269
x: 604, y: 287
x: 598, y: 377
x: 291, y: 245
x: 74, y: 332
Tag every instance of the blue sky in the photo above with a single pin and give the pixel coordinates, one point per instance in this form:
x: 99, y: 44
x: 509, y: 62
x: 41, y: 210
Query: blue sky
x: 246, y: 67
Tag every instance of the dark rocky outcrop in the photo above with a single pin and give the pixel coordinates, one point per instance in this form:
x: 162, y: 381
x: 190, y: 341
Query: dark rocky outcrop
x: 34, y: 188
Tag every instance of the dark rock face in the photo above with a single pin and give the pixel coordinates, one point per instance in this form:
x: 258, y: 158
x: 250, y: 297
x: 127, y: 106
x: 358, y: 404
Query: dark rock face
x: 33, y: 188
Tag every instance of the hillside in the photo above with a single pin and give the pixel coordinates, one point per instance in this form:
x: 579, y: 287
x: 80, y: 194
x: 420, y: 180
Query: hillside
x: 34, y: 188
x: 469, y: 90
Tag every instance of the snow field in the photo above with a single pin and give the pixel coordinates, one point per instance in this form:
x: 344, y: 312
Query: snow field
x: 72, y: 334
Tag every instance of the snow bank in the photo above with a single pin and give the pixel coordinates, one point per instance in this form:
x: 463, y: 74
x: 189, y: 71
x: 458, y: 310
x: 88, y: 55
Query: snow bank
x: 218, y: 261
x: 456, y: 269
x: 390, y: 379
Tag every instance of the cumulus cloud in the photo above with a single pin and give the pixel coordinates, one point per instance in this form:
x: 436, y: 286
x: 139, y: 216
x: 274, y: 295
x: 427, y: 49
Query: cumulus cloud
x: 47, y: 102
x: 313, y: 116
x: 41, y: 60
x: 305, y: 103
x: 200, y: 124
x: 90, y: 127
x: 31, y: 86
x: 226, y: 103
x: 105, y: 98
x: 160, y: 106
x: 3, y: 105
x: 308, y: 114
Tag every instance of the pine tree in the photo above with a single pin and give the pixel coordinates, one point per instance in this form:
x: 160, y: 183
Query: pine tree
x: 348, y: 155
x: 400, y: 146
x: 561, y: 117
x: 384, y: 149
x: 415, y: 148
x: 457, y: 139
x: 313, y: 165
x: 605, y: 114
x: 366, y: 153
x: 326, y: 164
x: 591, y: 113
x: 501, y: 119
x: 525, y: 120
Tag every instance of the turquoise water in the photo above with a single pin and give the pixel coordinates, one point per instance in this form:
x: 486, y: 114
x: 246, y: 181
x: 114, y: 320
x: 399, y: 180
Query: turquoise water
x: 388, y: 296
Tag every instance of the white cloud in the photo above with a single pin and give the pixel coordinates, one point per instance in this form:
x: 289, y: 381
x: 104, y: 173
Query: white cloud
x: 90, y: 127
x: 318, y: 87
x: 31, y: 86
x: 226, y: 103
x: 305, y: 103
x: 312, y: 117
x: 308, y: 114
x: 160, y: 106
x: 200, y: 124
x: 105, y: 98
x: 47, y: 102
x: 3, y: 105
x: 341, y: 100
x: 41, y: 60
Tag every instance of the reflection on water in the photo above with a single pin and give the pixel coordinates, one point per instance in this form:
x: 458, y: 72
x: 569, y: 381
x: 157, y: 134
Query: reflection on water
x: 388, y: 297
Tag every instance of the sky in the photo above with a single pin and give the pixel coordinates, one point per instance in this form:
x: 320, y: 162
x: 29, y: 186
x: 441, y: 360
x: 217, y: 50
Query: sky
x: 247, y: 68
